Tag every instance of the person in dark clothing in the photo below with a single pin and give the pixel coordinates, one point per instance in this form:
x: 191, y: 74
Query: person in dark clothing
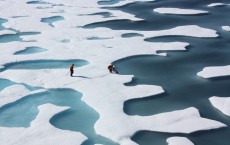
x: 71, y: 69
x: 112, y: 69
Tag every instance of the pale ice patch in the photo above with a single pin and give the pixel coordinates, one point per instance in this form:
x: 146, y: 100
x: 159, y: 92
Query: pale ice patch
x: 41, y: 131
x: 221, y: 103
x: 6, y: 32
x: 179, y: 11
x: 216, y: 4
x: 226, y: 28
x: 26, y: 24
x: 14, y: 93
x: 179, y: 121
x: 178, y: 141
x: 215, y: 71
x: 124, y: 2
x: 187, y: 30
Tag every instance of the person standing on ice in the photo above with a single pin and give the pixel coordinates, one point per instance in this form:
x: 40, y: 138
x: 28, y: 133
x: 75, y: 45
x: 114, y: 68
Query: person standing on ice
x: 112, y: 69
x: 71, y: 69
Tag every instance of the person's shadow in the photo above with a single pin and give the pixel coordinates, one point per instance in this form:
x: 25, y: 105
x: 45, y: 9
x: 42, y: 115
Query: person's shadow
x: 82, y: 77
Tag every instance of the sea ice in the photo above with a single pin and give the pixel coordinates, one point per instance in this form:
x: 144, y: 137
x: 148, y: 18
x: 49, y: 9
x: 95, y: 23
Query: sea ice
x: 179, y: 141
x: 215, y: 71
x: 216, y: 4
x: 6, y: 32
x: 221, y: 103
x: 41, y: 131
x: 124, y: 2
x: 179, y: 121
x: 226, y: 28
x: 14, y: 93
x: 104, y: 92
x: 179, y: 11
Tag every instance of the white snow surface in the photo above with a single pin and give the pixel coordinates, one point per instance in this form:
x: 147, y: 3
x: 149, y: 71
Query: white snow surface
x: 104, y: 92
x: 14, y: 93
x: 221, y: 103
x: 41, y: 131
x: 179, y: 11
x: 215, y: 71
x: 179, y: 141
x: 226, y: 28
x: 5, y: 32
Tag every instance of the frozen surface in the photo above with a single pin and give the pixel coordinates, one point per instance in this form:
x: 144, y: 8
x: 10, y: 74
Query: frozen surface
x: 105, y: 92
x: 216, y: 4
x: 5, y: 32
x: 179, y: 141
x: 226, y: 28
x: 221, y: 103
x: 180, y: 122
x: 179, y: 11
x: 41, y: 131
x: 13, y: 93
x: 215, y: 71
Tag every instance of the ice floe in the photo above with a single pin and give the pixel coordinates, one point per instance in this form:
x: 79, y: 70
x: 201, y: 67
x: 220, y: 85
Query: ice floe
x: 41, y: 131
x: 179, y: 11
x: 226, y: 28
x: 216, y: 4
x: 188, y: 30
x: 179, y: 122
x: 5, y: 32
x: 221, y: 103
x: 179, y: 141
x: 14, y: 93
x: 215, y: 71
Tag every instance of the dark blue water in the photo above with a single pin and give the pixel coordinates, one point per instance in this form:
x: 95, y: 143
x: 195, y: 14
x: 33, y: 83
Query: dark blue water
x: 108, y: 2
x: 80, y: 117
x: 51, y: 20
x: 176, y: 73
x: 104, y: 14
x: 129, y: 35
x: 30, y: 50
x: 44, y: 64
x: 218, y: 16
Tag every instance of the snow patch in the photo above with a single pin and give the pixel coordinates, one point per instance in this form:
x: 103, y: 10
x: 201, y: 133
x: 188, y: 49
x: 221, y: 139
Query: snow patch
x: 215, y: 71
x: 226, y: 28
x: 6, y: 32
x: 216, y: 4
x: 179, y: 121
x: 13, y: 93
x: 179, y: 141
x: 221, y: 103
x: 179, y: 11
